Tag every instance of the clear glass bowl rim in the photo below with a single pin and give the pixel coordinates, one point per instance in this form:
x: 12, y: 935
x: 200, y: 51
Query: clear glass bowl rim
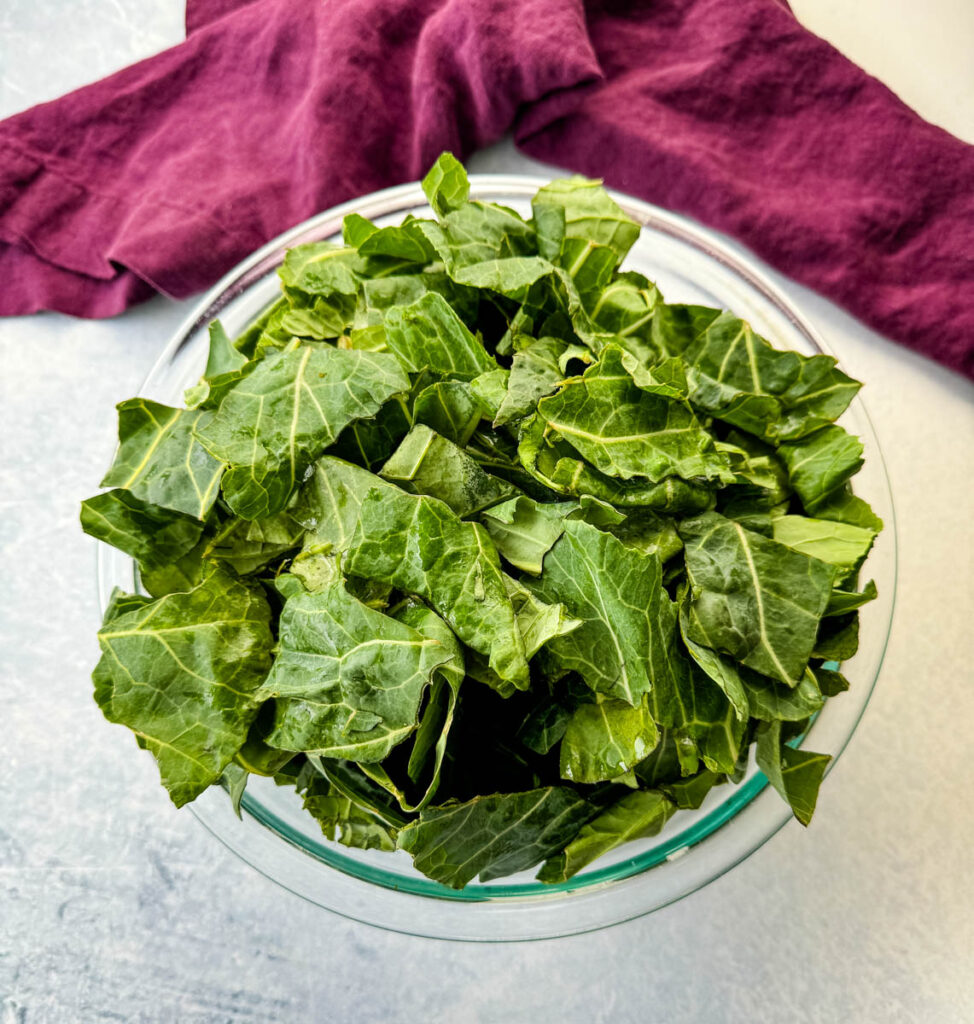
x: 753, y: 795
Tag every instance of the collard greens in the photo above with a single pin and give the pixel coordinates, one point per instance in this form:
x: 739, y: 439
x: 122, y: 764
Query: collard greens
x: 488, y: 552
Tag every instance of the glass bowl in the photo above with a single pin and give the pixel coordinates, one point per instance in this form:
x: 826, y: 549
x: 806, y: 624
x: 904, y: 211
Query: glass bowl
x: 283, y: 842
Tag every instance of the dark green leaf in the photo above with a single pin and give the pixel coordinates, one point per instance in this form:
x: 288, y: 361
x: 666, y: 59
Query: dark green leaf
x: 271, y: 427
x: 493, y: 836
x: 426, y: 463
x: 821, y: 463
x: 638, y: 815
x: 347, y: 680
x: 795, y: 774
x: 451, y: 408
x: 626, y: 432
x: 753, y: 598
x: 625, y: 642
x: 153, y: 536
x: 182, y: 673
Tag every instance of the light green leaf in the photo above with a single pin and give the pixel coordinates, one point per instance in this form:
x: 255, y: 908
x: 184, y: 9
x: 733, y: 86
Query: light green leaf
x: 606, y: 739
x: 321, y: 269
x: 535, y: 372
x: 626, y: 306
x: 160, y: 461
x: 838, y: 544
x: 225, y: 366
x: 523, y: 530
x: 590, y: 215
x: 446, y: 184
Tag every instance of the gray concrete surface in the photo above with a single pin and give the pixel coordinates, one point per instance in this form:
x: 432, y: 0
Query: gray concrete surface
x: 114, y: 906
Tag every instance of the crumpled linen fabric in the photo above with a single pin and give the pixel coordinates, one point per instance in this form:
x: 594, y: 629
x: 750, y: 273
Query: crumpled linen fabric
x: 163, y: 176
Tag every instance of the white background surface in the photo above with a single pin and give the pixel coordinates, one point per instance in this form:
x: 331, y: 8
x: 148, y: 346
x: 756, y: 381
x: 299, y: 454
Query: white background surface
x: 113, y: 906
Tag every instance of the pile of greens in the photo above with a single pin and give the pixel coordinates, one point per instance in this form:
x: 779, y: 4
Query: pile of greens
x: 488, y: 552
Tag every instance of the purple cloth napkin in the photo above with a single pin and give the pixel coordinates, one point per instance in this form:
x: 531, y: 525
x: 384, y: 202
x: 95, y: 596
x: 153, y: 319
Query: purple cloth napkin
x: 164, y: 175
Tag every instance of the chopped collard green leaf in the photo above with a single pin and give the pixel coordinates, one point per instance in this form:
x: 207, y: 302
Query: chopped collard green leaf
x: 483, y: 548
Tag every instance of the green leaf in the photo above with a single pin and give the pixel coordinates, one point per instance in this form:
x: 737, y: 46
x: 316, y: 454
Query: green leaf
x: 625, y: 642
x: 843, y: 601
x: 347, y: 680
x: 428, y: 334
x: 451, y: 408
x: 523, y: 530
x: 272, y: 426
x: 770, y: 701
x: 182, y: 673
x: 321, y: 269
x: 637, y: 815
x: 478, y: 233
x: 795, y: 774
x: 590, y: 215
x: 159, y: 460
x: 738, y: 377
x: 153, y: 536
x: 625, y: 307
x: 675, y: 326
x: 493, y: 836
x: 342, y: 820
x: 650, y: 534
x: 820, y: 464
x: 842, y: 506
x: 838, y: 638
x: 426, y: 463
x: 555, y: 464
x: 248, y: 545
x: 626, y: 432
x: 369, y: 443
x: 544, y: 727
x: 419, y: 545
x: 838, y: 544
x: 537, y: 621
x: 535, y: 372
x: 225, y: 366
x: 688, y: 794
x: 429, y: 745
x: 606, y: 739
x: 446, y: 184
x: 753, y: 598
x: 721, y: 670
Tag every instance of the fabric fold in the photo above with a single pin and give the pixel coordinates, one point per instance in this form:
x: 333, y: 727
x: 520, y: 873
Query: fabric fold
x: 164, y: 175
x: 173, y: 170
